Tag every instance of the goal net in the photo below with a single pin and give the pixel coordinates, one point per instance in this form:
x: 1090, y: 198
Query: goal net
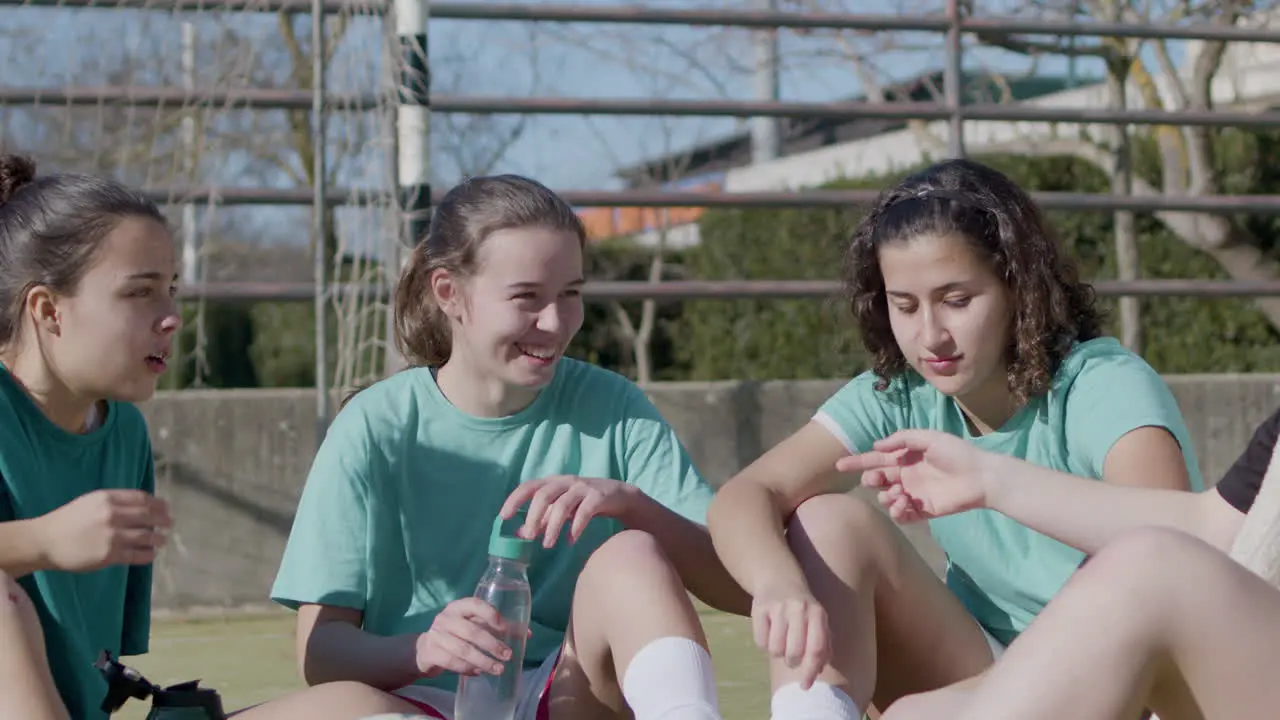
x: 208, y: 106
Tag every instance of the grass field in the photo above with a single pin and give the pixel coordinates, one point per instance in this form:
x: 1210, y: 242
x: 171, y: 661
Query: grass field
x: 249, y: 658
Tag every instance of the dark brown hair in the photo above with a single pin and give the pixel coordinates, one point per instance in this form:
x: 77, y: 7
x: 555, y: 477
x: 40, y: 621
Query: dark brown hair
x: 467, y: 215
x: 1053, y: 309
x: 50, y: 229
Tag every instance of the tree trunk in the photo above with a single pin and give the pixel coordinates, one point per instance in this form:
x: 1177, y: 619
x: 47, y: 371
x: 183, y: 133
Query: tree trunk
x: 1128, y: 263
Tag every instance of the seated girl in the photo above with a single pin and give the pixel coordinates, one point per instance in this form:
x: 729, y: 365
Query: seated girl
x: 1160, y: 617
x: 977, y: 327
x: 87, y: 316
x: 392, y: 529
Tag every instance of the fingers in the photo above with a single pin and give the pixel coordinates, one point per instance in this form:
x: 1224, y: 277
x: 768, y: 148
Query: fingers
x: 137, y: 509
x: 817, y: 648
x: 457, y: 654
x: 134, y: 556
x: 478, y: 626
x: 134, y: 516
x: 760, y: 627
x: 523, y: 492
x: 586, y: 510
x: 901, y: 509
x: 128, y: 497
x: 796, y: 634
x: 909, y: 440
x: 160, y: 514
x: 882, y: 478
x: 776, y: 641
x: 540, y: 502
x: 140, y: 538
x: 870, y: 461
x: 135, y: 546
x: 795, y: 631
x: 473, y: 608
x: 567, y: 506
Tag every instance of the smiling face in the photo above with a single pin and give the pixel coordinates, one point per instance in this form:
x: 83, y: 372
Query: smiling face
x: 951, y: 316
x: 111, y: 337
x: 513, y: 318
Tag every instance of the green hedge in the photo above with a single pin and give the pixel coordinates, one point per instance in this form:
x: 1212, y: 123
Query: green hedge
x: 814, y: 338
x: 272, y: 344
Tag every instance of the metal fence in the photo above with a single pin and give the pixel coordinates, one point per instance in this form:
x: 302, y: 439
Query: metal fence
x: 416, y: 104
x: 416, y: 198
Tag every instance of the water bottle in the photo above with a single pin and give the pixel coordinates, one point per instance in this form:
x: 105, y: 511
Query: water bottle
x: 505, y: 586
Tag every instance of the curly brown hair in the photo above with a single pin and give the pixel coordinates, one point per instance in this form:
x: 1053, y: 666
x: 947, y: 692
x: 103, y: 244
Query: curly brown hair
x: 1053, y: 308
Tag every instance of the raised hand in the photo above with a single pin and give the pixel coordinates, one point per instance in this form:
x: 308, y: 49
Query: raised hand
x: 923, y: 474
x: 558, y: 499
x: 105, y: 527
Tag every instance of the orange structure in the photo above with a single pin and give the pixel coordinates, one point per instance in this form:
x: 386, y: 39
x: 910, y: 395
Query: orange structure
x: 604, y: 223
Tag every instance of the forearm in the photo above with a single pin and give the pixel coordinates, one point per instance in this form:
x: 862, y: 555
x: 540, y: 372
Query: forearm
x: 21, y: 548
x: 747, y: 531
x: 688, y: 546
x: 337, y: 651
x: 1085, y: 514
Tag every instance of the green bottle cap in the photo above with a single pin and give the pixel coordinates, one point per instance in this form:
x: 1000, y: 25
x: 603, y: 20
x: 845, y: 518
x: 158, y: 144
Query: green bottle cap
x: 508, y: 546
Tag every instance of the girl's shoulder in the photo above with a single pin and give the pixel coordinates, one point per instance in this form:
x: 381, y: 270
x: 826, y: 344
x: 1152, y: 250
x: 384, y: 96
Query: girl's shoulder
x: 1103, y: 361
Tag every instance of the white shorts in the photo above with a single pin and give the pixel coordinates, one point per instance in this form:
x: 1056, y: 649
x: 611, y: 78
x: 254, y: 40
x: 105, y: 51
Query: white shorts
x: 535, y: 685
x: 997, y: 648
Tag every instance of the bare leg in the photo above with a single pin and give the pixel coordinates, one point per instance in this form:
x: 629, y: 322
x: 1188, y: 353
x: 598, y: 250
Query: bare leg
x: 329, y: 701
x: 627, y: 596
x: 27, y: 689
x: 1158, y: 619
x: 934, y: 704
x: 895, y: 626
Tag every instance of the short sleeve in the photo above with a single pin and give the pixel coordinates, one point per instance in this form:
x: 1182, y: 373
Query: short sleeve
x: 1113, y: 395
x: 655, y: 461
x: 858, y: 414
x: 136, y: 634
x: 325, y: 558
x: 6, y: 503
x: 1241, y: 483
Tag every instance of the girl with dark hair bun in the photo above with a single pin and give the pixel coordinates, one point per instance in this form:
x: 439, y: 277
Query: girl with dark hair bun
x: 87, y: 315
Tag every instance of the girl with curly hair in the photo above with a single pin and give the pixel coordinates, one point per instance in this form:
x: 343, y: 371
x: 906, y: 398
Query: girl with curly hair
x: 978, y: 327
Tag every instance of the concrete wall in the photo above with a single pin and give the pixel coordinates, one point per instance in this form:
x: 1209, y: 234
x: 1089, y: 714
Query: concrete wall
x: 232, y: 463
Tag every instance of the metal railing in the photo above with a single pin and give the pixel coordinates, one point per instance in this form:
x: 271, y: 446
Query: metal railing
x: 681, y: 290
x: 416, y: 101
x: 950, y: 109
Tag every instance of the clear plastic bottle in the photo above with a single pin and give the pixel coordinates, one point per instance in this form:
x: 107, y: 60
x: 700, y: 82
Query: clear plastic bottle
x: 505, y: 586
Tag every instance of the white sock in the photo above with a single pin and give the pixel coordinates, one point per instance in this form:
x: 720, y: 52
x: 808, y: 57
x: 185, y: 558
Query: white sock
x: 820, y: 702
x: 671, y: 678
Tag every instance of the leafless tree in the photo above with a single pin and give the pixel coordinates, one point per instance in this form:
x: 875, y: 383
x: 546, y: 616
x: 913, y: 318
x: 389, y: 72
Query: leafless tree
x: 1188, y: 162
x: 1141, y: 74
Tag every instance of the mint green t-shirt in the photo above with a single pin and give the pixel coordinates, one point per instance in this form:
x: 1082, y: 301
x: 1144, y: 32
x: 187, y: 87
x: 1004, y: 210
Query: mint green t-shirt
x: 45, y: 467
x: 1002, y: 571
x: 395, y: 516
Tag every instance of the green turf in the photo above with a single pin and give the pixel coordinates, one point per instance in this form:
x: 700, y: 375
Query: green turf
x: 249, y: 658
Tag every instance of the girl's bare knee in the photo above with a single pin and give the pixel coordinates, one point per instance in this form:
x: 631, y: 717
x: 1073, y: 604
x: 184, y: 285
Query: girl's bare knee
x: 934, y: 705
x: 627, y: 554
x: 1147, y: 557
x: 336, y: 699
x: 840, y: 526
